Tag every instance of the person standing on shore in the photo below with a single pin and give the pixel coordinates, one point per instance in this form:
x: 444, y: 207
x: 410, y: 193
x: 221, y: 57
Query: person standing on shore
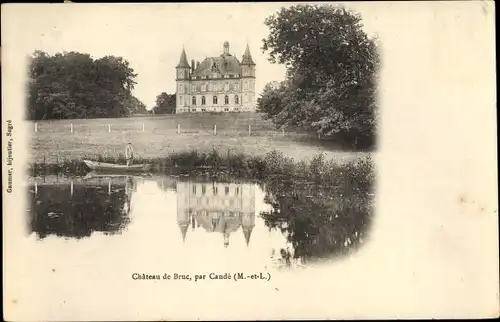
x: 129, y: 154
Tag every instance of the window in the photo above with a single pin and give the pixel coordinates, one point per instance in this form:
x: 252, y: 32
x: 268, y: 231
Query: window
x: 215, y: 190
x: 203, y: 110
x: 227, y: 190
x: 193, y: 110
x: 193, y: 100
x: 226, y: 110
x: 194, y: 190
x: 215, y: 100
x: 204, y: 87
x: 193, y: 88
x: 246, y: 85
x: 237, y: 190
x: 180, y: 100
x: 246, y: 98
x: 226, y: 87
x: 203, y: 100
x: 181, y: 88
x: 236, y: 87
x: 236, y: 99
x: 231, y: 76
x: 226, y: 99
x: 203, y: 189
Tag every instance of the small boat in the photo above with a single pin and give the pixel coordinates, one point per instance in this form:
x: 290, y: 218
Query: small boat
x: 102, y: 166
x: 96, y: 174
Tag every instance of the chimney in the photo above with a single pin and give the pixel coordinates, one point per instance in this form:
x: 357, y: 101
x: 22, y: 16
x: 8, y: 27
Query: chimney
x: 226, y: 48
x: 192, y: 65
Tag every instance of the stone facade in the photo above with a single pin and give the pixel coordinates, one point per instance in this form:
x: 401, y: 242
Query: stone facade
x: 217, y: 84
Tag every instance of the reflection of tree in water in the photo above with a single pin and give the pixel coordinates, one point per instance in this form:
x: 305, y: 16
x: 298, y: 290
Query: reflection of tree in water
x: 91, y: 209
x: 319, y: 222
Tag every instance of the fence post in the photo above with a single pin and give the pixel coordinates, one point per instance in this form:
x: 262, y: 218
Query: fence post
x: 109, y: 186
x: 249, y: 129
x: 142, y: 127
x: 178, y: 129
x: 109, y: 128
x: 71, y: 127
x: 215, y: 129
x: 36, y: 127
x: 71, y: 188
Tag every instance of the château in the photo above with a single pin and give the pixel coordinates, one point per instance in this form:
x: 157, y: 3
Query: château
x: 217, y: 84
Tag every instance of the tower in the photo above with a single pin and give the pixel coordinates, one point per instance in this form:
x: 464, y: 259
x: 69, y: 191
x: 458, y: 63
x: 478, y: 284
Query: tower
x: 248, y: 81
x: 182, y: 80
x: 226, y: 48
x: 248, y: 223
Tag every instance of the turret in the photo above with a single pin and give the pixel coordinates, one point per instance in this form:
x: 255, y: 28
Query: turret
x: 226, y: 48
x: 184, y: 228
x: 183, y: 67
x: 248, y: 223
x: 248, y: 80
x: 247, y: 232
x: 247, y: 58
x: 182, y: 79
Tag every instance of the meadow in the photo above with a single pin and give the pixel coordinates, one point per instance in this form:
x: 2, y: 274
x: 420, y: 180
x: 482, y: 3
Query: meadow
x: 158, y: 137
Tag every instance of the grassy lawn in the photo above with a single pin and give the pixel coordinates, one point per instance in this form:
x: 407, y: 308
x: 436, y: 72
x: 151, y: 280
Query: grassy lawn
x: 54, y: 141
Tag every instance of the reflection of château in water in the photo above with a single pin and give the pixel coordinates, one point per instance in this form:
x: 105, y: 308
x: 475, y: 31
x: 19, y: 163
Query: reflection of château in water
x: 216, y: 207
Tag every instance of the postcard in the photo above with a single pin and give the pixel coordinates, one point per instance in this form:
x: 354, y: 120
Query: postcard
x: 249, y: 161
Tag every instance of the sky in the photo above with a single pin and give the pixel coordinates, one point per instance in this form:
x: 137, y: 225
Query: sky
x: 151, y: 36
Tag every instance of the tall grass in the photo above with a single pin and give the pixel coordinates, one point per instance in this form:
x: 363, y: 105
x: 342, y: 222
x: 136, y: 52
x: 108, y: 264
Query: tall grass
x: 274, y: 165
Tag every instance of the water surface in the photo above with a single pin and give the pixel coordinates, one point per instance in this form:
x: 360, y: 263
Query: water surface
x: 276, y: 223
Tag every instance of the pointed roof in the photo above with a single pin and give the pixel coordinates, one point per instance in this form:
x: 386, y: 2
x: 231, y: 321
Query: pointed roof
x: 247, y: 57
x: 247, y: 232
x: 184, y: 228
x: 183, y: 62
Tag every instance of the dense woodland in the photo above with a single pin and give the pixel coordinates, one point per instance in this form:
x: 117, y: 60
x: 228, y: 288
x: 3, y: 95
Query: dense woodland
x: 74, y: 85
x: 332, y: 69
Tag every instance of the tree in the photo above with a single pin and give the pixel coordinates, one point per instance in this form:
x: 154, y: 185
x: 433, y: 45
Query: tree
x: 272, y: 98
x: 165, y: 104
x: 332, y: 68
x: 74, y: 85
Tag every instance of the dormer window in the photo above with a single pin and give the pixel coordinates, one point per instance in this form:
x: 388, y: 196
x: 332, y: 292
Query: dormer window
x: 214, y: 100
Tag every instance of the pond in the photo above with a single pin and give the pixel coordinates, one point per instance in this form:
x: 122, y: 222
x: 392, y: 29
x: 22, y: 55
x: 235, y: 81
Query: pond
x: 275, y: 223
